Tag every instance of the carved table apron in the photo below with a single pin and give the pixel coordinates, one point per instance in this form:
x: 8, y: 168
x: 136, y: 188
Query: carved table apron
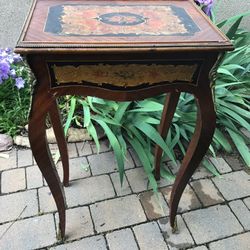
x: 121, y: 51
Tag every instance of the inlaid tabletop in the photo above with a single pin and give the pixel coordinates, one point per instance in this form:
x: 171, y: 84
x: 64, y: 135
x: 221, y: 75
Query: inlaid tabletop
x: 88, y: 24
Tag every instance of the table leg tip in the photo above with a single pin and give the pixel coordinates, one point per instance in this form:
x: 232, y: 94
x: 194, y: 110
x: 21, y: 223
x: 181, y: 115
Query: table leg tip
x: 175, y: 227
x: 65, y: 183
x: 60, y: 235
x: 157, y: 178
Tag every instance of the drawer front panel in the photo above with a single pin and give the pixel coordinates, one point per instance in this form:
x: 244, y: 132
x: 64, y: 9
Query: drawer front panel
x: 122, y: 75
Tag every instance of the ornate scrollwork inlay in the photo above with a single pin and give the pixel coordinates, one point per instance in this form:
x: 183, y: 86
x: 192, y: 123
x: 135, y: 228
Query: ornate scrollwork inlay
x: 123, y: 75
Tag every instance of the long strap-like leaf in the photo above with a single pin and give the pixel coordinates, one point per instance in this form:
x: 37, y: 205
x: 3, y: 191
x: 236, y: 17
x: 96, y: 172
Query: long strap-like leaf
x: 153, y: 134
x: 143, y: 157
x: 70, y: 115
x: 116, y: 147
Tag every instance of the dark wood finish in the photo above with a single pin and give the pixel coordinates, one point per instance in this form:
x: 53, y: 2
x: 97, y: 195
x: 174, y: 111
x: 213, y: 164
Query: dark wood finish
x: 187, y: 55
x: 167, y: 115
x: 55, y: 119
x: 42, y: 103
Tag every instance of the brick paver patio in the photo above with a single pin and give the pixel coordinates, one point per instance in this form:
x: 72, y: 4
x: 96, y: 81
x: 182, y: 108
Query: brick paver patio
x: 214, y: 212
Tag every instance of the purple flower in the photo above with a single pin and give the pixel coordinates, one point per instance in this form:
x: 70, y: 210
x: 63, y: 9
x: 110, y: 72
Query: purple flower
x: 206, y: 6
x: 205, y: 2
x: 17, y: 58
x: 10, y: 56
x: 4, y: 69
x: 8, y: 50
x: 8, y: 66
x: 19, y: 82
x: 207, y: 9
x: 13, y: 73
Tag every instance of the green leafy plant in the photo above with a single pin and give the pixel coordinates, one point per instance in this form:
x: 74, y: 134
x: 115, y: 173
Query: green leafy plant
x: 15, y: 79
x: 232, y: 99
x: 123, y: 123
x: 232, y: 89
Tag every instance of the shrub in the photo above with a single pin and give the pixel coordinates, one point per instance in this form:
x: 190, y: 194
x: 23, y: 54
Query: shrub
x: 15, y: 79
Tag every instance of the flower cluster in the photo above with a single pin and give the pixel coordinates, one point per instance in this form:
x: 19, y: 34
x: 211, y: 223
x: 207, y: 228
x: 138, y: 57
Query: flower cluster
x: 206, y: 6
x: 10, y: 68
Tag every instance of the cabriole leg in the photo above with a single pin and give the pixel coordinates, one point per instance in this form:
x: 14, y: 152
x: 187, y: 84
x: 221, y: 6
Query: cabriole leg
x: 39, y: 146
x: 205, y: 126
x: 55, y: 119
x: 166, y: 120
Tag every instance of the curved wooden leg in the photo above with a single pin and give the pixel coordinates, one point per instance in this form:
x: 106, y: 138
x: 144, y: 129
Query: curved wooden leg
x: 61, y: 140
x: 203, y: 135
x: 41, y: 152
x: 166, y: 120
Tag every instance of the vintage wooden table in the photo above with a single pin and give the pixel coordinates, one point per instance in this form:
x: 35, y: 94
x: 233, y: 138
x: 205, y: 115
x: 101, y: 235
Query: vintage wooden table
x: 122, y: 51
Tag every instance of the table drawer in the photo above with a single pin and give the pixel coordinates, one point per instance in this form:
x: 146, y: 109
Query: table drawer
x: 124, y: 75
